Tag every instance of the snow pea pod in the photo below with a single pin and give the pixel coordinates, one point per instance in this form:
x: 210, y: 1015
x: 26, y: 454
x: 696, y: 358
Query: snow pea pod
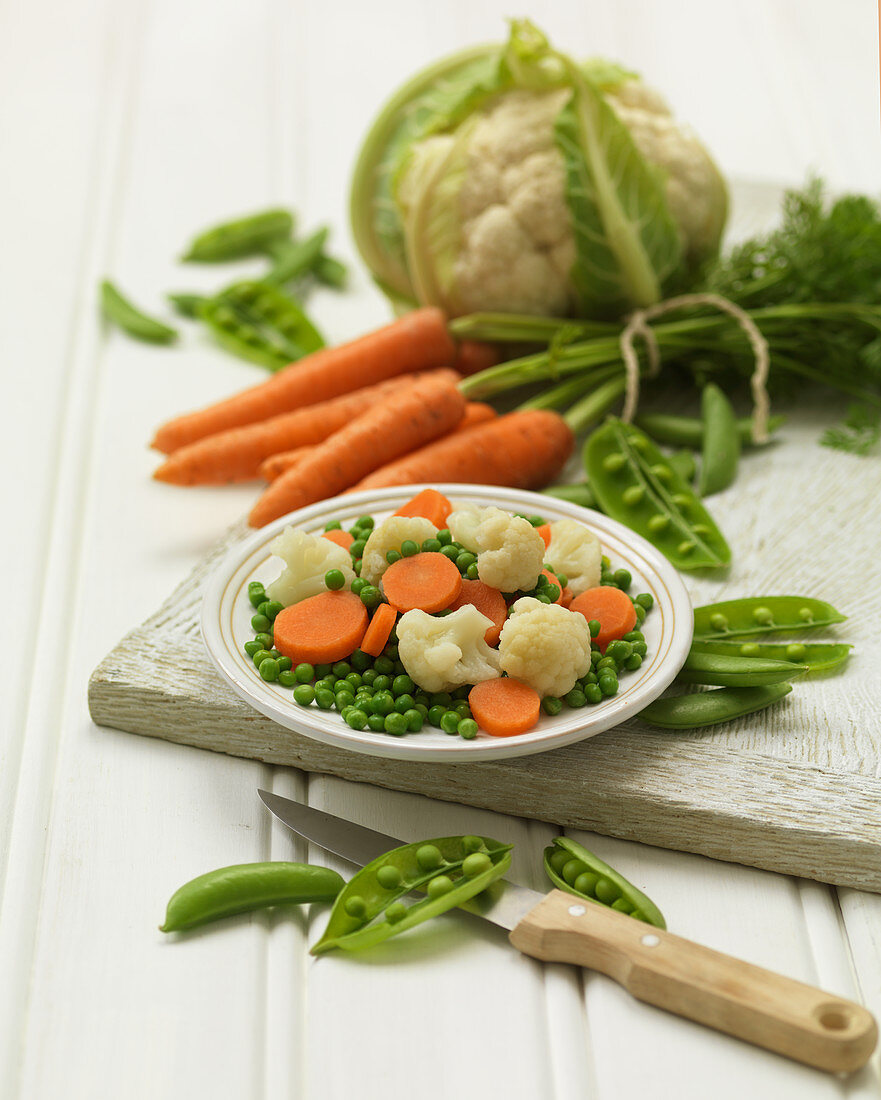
x: 637, y: 486
x: 725, y: 670
x: 247, y: 886
x: 248, y: 236
x: 187, y: 305
x: 258, y: 322
x: 450, y: 870
x: 720, y: 450
x: 688, y: 431
x: 761, y: 615
x: 706, y: 708
x: 294, y: 259
x: 118, y: 309
x: 576, y: 870
x: 816, y: 656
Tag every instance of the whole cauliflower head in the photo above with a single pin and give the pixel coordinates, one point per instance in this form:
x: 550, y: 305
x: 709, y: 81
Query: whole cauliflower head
x: 442, y: 653
x: 389, y: 535
x: 510, y: 552
x: 575, y: 551
x: 545, y: 646
x: 306, y: 559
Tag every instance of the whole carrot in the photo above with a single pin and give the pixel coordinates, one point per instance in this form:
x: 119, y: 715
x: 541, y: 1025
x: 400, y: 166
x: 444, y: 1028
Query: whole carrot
x: 524, y: 450
x: 417, y: 341
x: 236, y: 454
x: 403, y: 421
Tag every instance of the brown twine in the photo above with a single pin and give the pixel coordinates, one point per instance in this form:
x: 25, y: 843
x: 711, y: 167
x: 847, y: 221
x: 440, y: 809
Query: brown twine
x: 638, y: 325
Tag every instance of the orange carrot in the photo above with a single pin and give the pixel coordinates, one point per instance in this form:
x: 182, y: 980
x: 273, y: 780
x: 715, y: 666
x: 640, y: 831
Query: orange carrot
x: 525, y: 450
x: 488, y: 601
x: 377, y: 634
x: 553, y: 580
x: 405, y: 419
x: 341, y: 538
x: 417, y: 341
x: 505, y: 707
x: 431, y: 505
x: 612, y: 609
x: 427, y: 582
x: 567, y: 597
x: 473, y: 356
x: 476, y: 412
x: 236, y: 454
x: 276, y: 465
x: 545, y: 531
x: 321, y: 629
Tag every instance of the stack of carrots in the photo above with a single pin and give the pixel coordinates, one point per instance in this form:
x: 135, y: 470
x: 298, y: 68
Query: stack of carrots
x: 381, y: 410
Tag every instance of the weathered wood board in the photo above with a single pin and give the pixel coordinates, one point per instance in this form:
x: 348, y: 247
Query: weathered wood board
x: 793, y: 790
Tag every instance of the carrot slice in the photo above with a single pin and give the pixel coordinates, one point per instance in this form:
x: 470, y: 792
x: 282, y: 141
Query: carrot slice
x: 567, y: 597
x: 321, y: 629
x: 505, y: 707
x: 430, y: 504
x: 612, y: 609
x: 545, y: 532
x: 377, y: 634
x: 553, y: 580
x: 427, y: 582
x: 489, y: 601
x: 341, y: 538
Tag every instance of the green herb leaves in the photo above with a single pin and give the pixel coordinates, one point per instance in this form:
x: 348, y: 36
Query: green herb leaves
x: 859, y: 434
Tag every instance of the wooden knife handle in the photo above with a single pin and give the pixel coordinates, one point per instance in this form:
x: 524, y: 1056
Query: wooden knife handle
x: 680, y: 976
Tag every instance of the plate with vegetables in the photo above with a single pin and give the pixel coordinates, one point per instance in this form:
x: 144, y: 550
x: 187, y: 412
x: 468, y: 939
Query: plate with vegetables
x: 447, y: 623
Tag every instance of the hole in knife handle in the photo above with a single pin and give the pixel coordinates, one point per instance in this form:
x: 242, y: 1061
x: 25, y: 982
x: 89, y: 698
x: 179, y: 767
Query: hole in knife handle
x: 833, y: 1017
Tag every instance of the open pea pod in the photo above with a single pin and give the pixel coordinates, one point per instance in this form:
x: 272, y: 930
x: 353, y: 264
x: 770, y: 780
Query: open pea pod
x: 449, y: 870
x: 578, y: 871
x: 761, y: 615
x: 815, y: 656
x: 635, y: 484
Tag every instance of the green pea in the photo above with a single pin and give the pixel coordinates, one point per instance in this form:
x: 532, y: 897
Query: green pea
x: 334, y: 580
x: 286, y: 678
x: 613, y: 463
x: 464, y: 561
x: 551, y: 705
x: 429, y: 857
x: 256, y: 593
x: 431, y: 546
x: 403, y: 685
x: 796, y: 651
x: 391, y: 653
x: 476, y: 864
x: 586, y: 883
x: 395, y: 724
x: 367, y: 522
x: 344, y: 699
x: 467, y: 728
x: 392, y: 556
x: 305, y: 673
x: 356, y: 907
x: 444, y: 536
x: 450, y: 551
x: 268, y: 669
x: 633, y: 495
x: 260, y: 656
x: 414, y: 720
x: 389, y: 877
x: 375, y: 722
x: 357, y: 586
x: 324, y: 699
x: 361, y: 661
x: 558, y: 860
x: 575, y: 698
x: 608, y: 682
x: 472, y: 572
x: 572, y: 868
x: 623, y: 579
x: 264, y: 638
x: 449, y: 722
x: 304, y: 694
x: 640, y: 613
x: 342, y: 669
x: 356, y: 719
x: 593, y: 625
x: 606, y: 891
x: 260, y: 623
x: 370, y: 596
x: 383, y: 703
x: 438, y: 886
x: 645, y: 599
x: 633, y: 662
x: 750, y: 649
x: 763, y: 615
x: 396, y: 912
x: 333, y: 525
x: 403, y: 703
x: 253, y: 647
x: 593, y: 694
x: 357, y: 548
x: 472, y: 843
x: 409, y: 548
x: 382, y: 683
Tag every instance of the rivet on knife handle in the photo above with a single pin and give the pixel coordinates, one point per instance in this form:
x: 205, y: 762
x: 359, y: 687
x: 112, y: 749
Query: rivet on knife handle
x: 728, y: 994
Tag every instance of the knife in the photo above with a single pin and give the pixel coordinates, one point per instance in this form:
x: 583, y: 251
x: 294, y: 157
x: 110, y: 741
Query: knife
x: 668, y: 971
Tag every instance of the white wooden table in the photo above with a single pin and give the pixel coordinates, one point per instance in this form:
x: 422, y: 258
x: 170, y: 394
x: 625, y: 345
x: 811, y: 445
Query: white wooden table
x: 124, y: 126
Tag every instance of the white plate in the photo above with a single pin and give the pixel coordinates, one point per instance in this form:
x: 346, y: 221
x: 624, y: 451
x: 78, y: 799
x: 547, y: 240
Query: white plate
x: 226, y: 626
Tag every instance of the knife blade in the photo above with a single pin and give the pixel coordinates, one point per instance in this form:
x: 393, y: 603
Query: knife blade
x: 655, y: 966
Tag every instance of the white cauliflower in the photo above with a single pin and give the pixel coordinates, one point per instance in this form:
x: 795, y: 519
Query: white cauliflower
x: 545, y: 646
x: 306, y: 558
x: 575, y: 551
x: 510, y: 552
x: 443, y: 653
x: 389, y: 535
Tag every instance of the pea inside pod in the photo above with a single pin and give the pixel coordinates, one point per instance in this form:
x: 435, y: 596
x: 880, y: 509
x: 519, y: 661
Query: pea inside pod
x: 636, y: 485
x: 575, y: 869
x: 244, y: 887
x: 449, y: 870
x: 761, y: 615
x: 815, y: 656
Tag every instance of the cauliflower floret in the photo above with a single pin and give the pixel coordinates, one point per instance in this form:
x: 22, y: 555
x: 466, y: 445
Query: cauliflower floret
x: 307, y: 558
x: 510, y: 552
x: 440, y: 654
x: 389, y: 535
x: 545, y: 646
x: 575, y: 551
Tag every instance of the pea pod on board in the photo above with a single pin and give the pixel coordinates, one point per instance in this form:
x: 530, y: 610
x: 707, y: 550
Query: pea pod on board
x: 688, y: 431
x: 294, y: 259
x: 816, y: 656
x: 244, y: 887
x: 636, y: 485
x: 247, y: 236
x: 707, y: 708
x: 720, y: 449
x: 449, y: 870
x: 118, y: 309
x: 573, y: 868
x: 725, y: 670
x: 186, y: 304
x: 761, y: 615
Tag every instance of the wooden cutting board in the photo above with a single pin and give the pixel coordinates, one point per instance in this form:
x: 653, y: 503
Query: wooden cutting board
x: 794, y: 789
